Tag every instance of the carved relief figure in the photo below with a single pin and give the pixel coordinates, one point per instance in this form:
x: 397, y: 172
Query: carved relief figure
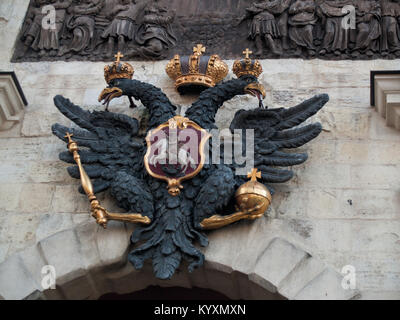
x: 264, y: 26
x: 302, y: 19
x: 368, y: 21
x: 336, y: 37
x: 31, y: 35
x: 81, y: 23
x: 102, y: 21
x: 155, y: 35
x: 61, y: 7
x: 390, y: 40
x: 49, y: 39
x: 123, y: 27
x: 96, y: 29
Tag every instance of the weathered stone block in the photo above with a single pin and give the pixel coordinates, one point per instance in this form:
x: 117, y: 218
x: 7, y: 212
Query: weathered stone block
x: 62, y: 250
x: 18, y: 230
x: 38, y: 123
x: 300, y: 276
x: 112, y: 243
x: 14, y: 171
x: 52, y: 223
x: 68, y: 199
x: 375, y: 176
x: 275, y: 263
x: 337, y: 176
x: 324, y: 203
x: 86, y: 234
x: 34, y: 263
x: 15, y: 280
x: 36, y: 197
x: 369, y: 204
x: 9, y: 196
x: 43, y: 172
x: 326, y: 286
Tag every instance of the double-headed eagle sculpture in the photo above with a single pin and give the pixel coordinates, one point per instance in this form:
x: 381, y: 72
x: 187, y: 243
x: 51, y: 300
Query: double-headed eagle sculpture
x: 175, y: 202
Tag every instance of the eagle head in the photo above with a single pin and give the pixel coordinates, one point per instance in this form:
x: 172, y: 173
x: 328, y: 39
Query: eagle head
x: 116, y: 88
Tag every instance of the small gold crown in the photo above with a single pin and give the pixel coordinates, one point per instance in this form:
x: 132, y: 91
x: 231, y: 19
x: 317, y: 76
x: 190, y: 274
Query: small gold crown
x: 247, y: 66
x: 196, y: 72
x: 118, y: 70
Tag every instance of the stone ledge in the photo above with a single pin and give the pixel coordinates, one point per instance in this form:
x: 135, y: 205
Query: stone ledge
x: 385, y: 96
x: 12, y: 100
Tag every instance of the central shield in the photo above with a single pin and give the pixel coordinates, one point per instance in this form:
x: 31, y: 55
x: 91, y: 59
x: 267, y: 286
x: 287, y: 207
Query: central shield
x: 175, y: 152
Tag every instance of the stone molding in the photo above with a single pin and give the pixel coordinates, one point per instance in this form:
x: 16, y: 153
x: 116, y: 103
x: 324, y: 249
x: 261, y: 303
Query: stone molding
x: 386, y: 96
x: 93, y: 263
x: 12, y: 100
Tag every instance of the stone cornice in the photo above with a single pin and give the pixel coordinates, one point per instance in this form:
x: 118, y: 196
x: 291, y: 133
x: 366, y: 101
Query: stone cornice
x: 385, y: 96
x: 12, y: 100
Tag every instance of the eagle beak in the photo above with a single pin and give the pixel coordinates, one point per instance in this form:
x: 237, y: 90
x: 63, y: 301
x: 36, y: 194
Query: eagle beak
x: 108, y: 94
x: 256, y: 90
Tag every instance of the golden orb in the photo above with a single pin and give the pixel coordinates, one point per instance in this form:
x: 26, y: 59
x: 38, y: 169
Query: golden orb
x: 253, y: 196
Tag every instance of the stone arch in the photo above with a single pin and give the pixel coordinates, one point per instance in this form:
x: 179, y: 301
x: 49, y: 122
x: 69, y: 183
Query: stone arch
x: 250, y: 260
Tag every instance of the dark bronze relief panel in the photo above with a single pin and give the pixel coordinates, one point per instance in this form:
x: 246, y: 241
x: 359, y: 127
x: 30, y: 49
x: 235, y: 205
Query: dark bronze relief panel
x: 157, y: 29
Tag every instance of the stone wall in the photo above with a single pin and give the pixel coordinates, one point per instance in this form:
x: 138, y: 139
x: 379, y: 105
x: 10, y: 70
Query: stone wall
x: 341, y: 208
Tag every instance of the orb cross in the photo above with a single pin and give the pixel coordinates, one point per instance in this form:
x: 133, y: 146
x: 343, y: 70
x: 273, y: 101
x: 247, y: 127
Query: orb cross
x: 254, y: 174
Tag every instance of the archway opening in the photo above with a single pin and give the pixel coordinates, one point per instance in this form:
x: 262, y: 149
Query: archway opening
x: 171, y: 293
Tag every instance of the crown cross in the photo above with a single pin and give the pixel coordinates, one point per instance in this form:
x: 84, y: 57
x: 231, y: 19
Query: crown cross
x: 118, y: 56
x: 199, y: 49
x: 247, y: 52
x: 254, y: 174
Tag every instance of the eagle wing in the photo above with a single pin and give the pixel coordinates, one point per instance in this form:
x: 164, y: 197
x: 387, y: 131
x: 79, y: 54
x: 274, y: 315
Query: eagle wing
x: 112, y: 154
x: 276, y: 129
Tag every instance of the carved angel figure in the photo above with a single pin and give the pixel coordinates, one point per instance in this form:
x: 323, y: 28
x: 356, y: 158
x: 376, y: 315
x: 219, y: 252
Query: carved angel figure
x: 114, y: 158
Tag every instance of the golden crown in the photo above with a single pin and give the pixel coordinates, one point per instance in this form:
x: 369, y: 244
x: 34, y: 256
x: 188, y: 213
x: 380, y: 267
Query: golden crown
x: 247, y: 66
x: 118, y: 70
x: 196, y: 72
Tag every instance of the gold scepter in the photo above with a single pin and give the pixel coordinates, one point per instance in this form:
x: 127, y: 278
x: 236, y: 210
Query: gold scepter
x: 101, y: 215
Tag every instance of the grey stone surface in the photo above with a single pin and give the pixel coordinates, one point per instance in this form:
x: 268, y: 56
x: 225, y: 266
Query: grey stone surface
x: 275, y: 263
x: 326, y: 286
x: 15, y: 280
x: 62, y: 250
x: 50, y: 224
x: 112, y: 243
x: 300, y: 276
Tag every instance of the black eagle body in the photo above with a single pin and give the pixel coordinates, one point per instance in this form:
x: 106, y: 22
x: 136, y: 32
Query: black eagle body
x: 114, y: 159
